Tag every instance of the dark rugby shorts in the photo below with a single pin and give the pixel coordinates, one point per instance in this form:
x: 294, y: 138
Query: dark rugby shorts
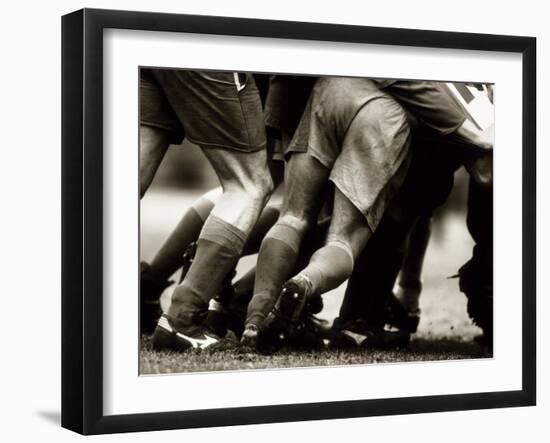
x: 429, y: 102
x: 212, y: 109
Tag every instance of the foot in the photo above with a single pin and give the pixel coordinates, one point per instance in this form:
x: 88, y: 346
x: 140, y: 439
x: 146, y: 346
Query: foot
x: 250, y: 337
x: 167, y: 337
x: 400, y: 317
x: 311, y: 333
x: 295, y: 294
x: 220, y: 318
x: 289, y: 307
x: 216, y: 322
x: 150, y: 290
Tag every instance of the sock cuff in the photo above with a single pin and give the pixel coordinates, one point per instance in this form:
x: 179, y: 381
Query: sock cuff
x: 344, y: 247
x: 286, y: 234
x: 224, y: 234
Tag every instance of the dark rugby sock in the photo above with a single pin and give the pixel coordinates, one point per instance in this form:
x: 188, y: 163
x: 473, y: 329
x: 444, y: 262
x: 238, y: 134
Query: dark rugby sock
x: 241, y: 298
x: 246, y: 282
x: 329, y: 267
x: 276, y: 263
x: 219, y: 248
x: 267, y: 219
x: 169, y: 257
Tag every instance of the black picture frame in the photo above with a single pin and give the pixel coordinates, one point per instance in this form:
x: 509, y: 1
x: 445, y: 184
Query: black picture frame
x: 82, y: 220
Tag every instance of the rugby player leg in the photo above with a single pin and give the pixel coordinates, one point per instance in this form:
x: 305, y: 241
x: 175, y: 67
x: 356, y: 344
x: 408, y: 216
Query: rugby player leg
x: 155, y: 276
x: 409, y: 283
x: 178, y: 251
x: 398, y: 304
x: 476, y: 275
x: 227, y: 310
x: 366, y: 307
x: 374, y: 275
x: 371, y: 167
x: 153, y: 143
x: 246, y: 187
x: 332, y: 264
x: 233, y: 141
x: 159, y: 127
x: 305, y: 182
x: 362, y: 317
x: 231, y: 313
x: 169, y: 258
x: 328, y: 267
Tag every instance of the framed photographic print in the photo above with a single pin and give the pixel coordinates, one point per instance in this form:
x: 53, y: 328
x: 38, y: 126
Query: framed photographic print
x: 294, y: 221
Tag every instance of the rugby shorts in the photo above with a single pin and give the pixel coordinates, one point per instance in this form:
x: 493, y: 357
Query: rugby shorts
x: 211, y: 109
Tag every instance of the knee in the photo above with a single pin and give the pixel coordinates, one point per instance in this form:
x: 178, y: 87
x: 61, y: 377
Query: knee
x: 265, y: 187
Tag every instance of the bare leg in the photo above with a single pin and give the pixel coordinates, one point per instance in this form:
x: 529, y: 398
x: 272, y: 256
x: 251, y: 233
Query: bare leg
x: 348, y: 234
x: 246, y: 184
x: 153, y: 143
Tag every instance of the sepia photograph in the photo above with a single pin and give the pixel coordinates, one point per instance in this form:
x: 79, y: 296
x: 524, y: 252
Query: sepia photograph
x: 271, y: 221
x: 294, y: 221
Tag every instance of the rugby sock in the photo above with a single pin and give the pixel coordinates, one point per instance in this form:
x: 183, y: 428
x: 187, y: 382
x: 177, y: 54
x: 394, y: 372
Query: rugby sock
x: 267, y: 219
x: 219, y: 248
x: 276, y: 263
x: 169, y: 257
x: 240, y: 300
x: 246, y: 282
x: 329, y: 267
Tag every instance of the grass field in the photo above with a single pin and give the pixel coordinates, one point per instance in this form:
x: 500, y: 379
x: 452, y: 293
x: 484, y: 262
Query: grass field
x: 232, y: 358
x: 445, y: 332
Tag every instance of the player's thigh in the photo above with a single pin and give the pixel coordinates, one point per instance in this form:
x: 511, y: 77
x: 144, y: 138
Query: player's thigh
x: 153, y: 143
x: 306, y: 187
x: 348, y: 224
